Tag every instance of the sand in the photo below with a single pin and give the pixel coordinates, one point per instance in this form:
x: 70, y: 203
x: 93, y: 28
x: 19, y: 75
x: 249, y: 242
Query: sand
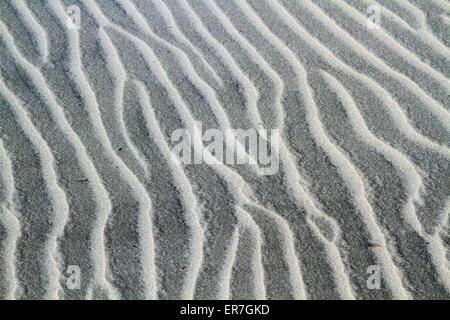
x: 94, y: 206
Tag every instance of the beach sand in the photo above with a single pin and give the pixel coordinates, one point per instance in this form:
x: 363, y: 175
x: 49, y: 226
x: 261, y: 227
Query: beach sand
x: 93, y: 206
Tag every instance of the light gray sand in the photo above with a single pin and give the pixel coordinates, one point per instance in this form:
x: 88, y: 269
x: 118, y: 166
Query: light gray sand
x: 77, y: 189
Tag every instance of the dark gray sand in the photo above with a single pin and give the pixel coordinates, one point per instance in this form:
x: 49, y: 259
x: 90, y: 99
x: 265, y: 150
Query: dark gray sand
x: 93, y: 206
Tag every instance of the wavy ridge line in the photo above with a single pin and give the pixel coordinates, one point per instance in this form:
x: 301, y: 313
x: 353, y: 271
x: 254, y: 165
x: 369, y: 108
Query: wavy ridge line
x: 389, y: 103
x: 294, y: 268
x: 250, y: 92
x: 37, y: 79
x: 57, y: 196
x: 233, y: 180
x: 242, y: 185
x: 10, y: 221
x: 387, y: 39
x: 39, y: 35
x: 140, y: 21
x: 227, y: 270
x: 302, y: 198
x: 420, y: 16
x: 207, y: 92
x: 411, y: 178
x: 246, y: 221
x: 251, y: 95
x: 146, y: 51
x: 188, y: 199
x: 90, y: 100
x: 320, y: 139
x: 116, y: 68
x: 173, y: 28
x: 286, y: 157
x: 438, y: 251
x: 422, y: 33
x: 435, y: 107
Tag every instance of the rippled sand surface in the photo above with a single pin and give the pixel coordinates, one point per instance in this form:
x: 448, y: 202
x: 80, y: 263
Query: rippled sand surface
x: 89, y: 189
